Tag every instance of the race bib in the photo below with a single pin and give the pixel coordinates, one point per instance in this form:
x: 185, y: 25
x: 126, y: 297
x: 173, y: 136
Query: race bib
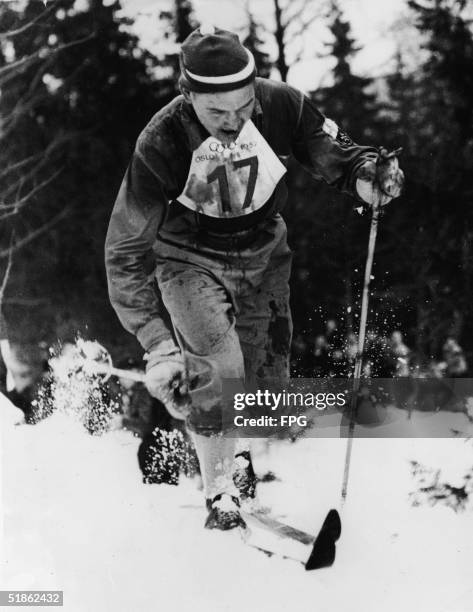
x: 232, y: 180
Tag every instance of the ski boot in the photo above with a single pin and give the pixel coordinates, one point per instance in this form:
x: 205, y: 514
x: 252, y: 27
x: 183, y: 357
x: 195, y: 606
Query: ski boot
x: 244, y: 477
x: 224, y: 513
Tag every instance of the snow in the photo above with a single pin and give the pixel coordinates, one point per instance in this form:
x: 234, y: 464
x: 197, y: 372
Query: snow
x: 77, y: 518
x: 241, y: 463
x: 10, y: 415
x: 225, y: 503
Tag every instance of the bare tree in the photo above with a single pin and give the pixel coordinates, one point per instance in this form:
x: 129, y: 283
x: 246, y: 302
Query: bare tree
x: 293, y: 20
x: 22, y: 178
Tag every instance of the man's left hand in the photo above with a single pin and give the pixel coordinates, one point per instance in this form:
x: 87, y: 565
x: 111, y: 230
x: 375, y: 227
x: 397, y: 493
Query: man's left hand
x: 378, y: 182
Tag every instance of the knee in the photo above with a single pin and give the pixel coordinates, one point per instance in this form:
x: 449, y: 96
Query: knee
x: 206, y: 374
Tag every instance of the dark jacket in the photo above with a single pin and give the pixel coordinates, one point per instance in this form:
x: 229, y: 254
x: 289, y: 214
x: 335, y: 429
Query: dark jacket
x: 146, y: 209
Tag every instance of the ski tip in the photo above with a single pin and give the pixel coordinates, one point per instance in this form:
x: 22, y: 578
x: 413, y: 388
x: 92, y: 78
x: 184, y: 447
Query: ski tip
x: 333, y: 523
x: 324, y: 549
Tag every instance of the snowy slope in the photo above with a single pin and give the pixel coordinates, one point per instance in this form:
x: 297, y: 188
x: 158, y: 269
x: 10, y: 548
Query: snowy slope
x: 78, y: 518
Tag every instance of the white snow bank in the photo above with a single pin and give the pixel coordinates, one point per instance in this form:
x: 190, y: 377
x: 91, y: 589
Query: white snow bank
x: 78, y: 518
x: 10, y: 415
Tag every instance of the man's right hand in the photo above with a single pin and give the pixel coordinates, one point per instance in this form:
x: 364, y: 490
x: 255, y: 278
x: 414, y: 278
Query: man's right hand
x: 165, y: 377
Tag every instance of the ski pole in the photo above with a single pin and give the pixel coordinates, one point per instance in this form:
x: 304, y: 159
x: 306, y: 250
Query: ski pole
x: 384, y: 160
x: 323, y: 552
x: 118, y: 372
x: 107, y: 369
x: 361, y: 345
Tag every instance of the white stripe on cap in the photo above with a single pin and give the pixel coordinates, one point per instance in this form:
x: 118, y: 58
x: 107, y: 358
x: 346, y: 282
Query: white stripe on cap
x: 228, y: 78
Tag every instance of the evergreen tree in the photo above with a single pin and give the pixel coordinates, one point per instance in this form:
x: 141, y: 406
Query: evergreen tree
x: 335, y: 235
x: 184, y: 19
x: 350, y: 100
x: 446, y: 114
x: 436, y: 115
x: 178, y: 24
x: 254, y: 43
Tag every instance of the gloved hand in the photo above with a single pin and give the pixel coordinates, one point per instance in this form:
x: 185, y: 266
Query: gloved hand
x: 166, y: 378
x: 378, y: 182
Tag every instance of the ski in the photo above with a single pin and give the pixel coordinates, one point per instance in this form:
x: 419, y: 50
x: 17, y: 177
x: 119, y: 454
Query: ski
x: 274, y: 537
x: 277, y: 538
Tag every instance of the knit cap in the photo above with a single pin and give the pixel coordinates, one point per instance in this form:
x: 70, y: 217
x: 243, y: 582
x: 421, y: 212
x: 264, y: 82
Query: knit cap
x: 214, y: 60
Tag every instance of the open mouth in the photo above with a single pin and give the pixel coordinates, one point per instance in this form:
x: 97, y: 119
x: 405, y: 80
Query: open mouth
x: 230, y: 134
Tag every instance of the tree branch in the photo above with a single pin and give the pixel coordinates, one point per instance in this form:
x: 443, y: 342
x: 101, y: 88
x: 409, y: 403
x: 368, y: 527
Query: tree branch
x: 288, y: 18
x: 303, y: 27
x: 20, y: 164
x: 22, y: 202
x: 27, y: 26
x: 8, y: 268
x: 22, y: 107
x: 26, y: 176
x: 24, y: 61
x: 279, y: 34
x: 33, y: 235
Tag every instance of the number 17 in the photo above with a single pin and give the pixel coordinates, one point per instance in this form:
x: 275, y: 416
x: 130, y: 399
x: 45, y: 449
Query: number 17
x: 220, y: 175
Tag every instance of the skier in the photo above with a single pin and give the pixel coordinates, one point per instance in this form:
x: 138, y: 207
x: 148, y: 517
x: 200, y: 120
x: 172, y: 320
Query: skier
x: 204, y: 191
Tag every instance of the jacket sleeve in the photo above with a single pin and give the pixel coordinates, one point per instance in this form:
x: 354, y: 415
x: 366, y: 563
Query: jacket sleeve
x: 139, y: 210
x: 326, y: 151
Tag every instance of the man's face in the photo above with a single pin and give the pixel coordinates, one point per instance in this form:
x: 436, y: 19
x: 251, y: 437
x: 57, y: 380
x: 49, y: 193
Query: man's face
x: 224, y: 114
